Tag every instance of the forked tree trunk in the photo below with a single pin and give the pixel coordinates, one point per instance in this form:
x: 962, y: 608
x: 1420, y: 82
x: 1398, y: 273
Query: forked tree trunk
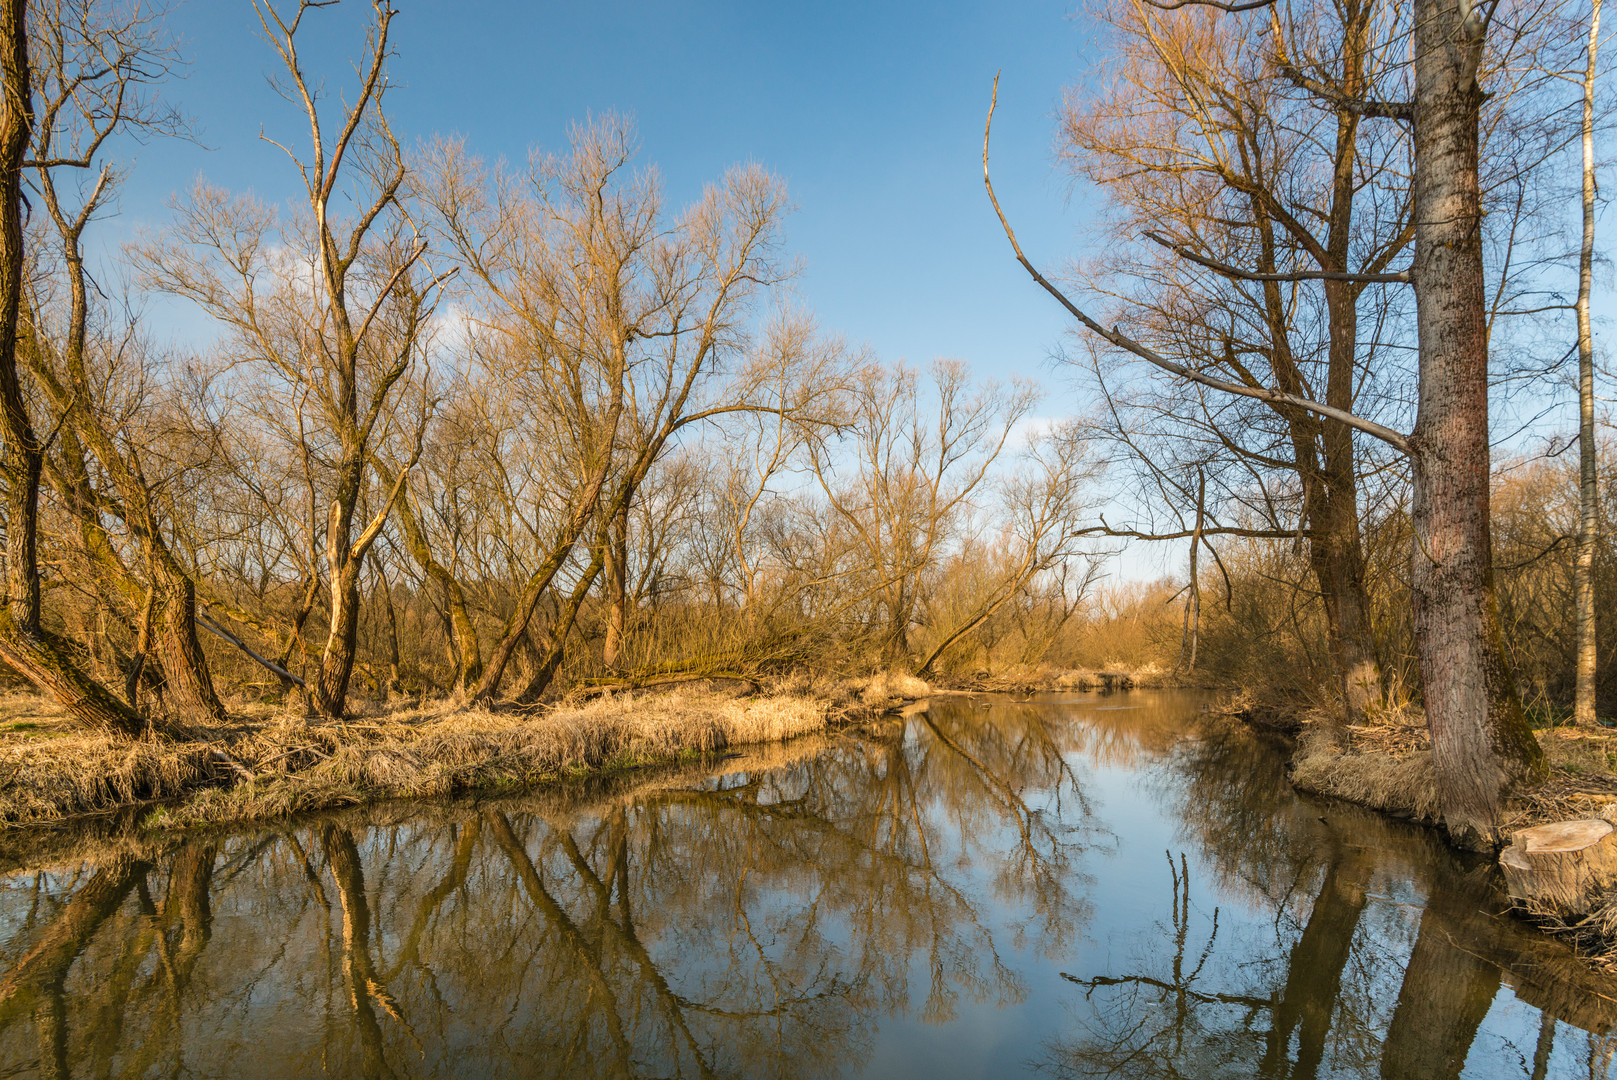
x: 468, y: 657
x: 545, y: 673
x: 1481, y: 743
x: 516, y: 625
x: 1588, y: 492
x: 342, y: 635
x: 24, y: 642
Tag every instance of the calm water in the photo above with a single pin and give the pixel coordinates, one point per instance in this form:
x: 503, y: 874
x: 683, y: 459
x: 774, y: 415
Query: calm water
x: 1078, y: 886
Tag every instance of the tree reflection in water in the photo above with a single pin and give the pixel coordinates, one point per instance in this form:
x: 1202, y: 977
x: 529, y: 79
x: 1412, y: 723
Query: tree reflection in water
x: 756, y: 924
x: 1385, y: 957
x: 771, y: 920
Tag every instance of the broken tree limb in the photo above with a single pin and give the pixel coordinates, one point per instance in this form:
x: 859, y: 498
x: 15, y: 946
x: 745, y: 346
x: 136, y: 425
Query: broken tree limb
x: 219, y: 631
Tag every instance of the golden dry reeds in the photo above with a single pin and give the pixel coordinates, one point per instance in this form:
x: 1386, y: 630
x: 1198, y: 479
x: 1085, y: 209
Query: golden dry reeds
x: 269, y: 768
x: 1400, y: 783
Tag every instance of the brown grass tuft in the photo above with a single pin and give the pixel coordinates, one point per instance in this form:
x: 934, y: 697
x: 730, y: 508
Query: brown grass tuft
x: 888, y: 688
x: 1396, y: 783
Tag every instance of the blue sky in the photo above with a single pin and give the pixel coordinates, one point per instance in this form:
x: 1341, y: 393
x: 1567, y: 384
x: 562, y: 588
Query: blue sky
x: 872, y: 112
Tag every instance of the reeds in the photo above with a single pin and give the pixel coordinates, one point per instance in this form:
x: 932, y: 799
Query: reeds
x: 275, y: 766
x: 1400, y: 783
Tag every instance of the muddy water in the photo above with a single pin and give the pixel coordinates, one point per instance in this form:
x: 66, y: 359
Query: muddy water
x: 1075, y: 886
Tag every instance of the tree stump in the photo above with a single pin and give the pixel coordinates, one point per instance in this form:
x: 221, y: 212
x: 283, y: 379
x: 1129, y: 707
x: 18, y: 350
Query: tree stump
x: 1561, y: 868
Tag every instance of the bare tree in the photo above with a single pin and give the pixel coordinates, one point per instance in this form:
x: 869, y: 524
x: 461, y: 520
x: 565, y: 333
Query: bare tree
x: 92, y: 76
x: 1045, y: 503
x: 344, y: 324
x: 1253, y: 219
x: 25, y: 642
x: 1480, y: 738
x: 625, y: 326
x: 918, y: 454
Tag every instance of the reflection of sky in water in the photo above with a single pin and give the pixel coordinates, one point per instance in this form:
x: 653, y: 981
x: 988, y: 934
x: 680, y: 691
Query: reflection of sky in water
x: 1077, y: 885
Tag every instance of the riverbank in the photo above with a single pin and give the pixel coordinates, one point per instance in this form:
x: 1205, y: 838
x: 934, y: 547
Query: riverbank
x: 1387, y: 766
x: 1045, y: 679
x: 265, y: 765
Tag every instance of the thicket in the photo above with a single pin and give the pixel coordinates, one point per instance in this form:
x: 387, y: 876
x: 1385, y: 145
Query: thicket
x: 493, y: 432
x: 475, y: 429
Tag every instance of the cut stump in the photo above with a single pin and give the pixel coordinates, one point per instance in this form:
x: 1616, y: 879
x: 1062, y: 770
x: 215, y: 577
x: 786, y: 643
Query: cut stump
x: 1563, y: 867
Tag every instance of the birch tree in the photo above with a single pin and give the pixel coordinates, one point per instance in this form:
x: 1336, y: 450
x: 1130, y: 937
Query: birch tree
x: 1583, y: 710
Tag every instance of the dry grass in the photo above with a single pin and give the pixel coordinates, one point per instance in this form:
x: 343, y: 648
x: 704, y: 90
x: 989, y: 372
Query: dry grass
x: 1400, y: 783
x: 1387, y: 766
x: 1580, y: 785
x: 269, y: 766
x: 1047, y: 678
x: 886, y: 689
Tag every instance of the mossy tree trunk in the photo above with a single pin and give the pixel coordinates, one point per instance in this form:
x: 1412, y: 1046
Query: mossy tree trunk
x: 25, y: 643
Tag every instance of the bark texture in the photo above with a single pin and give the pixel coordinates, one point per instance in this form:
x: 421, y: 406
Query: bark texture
x: 25, y: 643
x: 1481, y: 743
x: 1583, y: 572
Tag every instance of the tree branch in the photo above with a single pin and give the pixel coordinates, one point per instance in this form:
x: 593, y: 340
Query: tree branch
x: 1387, y: 435
x: 1399, y: 277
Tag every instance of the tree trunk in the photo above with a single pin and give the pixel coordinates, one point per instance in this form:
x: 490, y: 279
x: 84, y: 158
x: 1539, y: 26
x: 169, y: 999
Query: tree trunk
x: 1583, y: 572
x: 617, y: 583
x: 896, y: 648
x: 1336, y: 547
x: 1190, y: 638
x: 24, y: 642
x: 1446, y: 992
x: 1341, y: 570
x: 1322, y: 449
x: 468, y: 656
x: 546, y: 671
x: 1480, y: 739
x: 187, y: 685
x: 345, y: 561
x: 342, y: 638
x: 1562, y: 867
x: 517, y: 624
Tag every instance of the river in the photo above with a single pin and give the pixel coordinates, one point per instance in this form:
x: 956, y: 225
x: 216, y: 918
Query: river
x: 1082, y: 885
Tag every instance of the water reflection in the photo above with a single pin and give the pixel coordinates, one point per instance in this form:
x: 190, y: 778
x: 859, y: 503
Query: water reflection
x: 973, y: 891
